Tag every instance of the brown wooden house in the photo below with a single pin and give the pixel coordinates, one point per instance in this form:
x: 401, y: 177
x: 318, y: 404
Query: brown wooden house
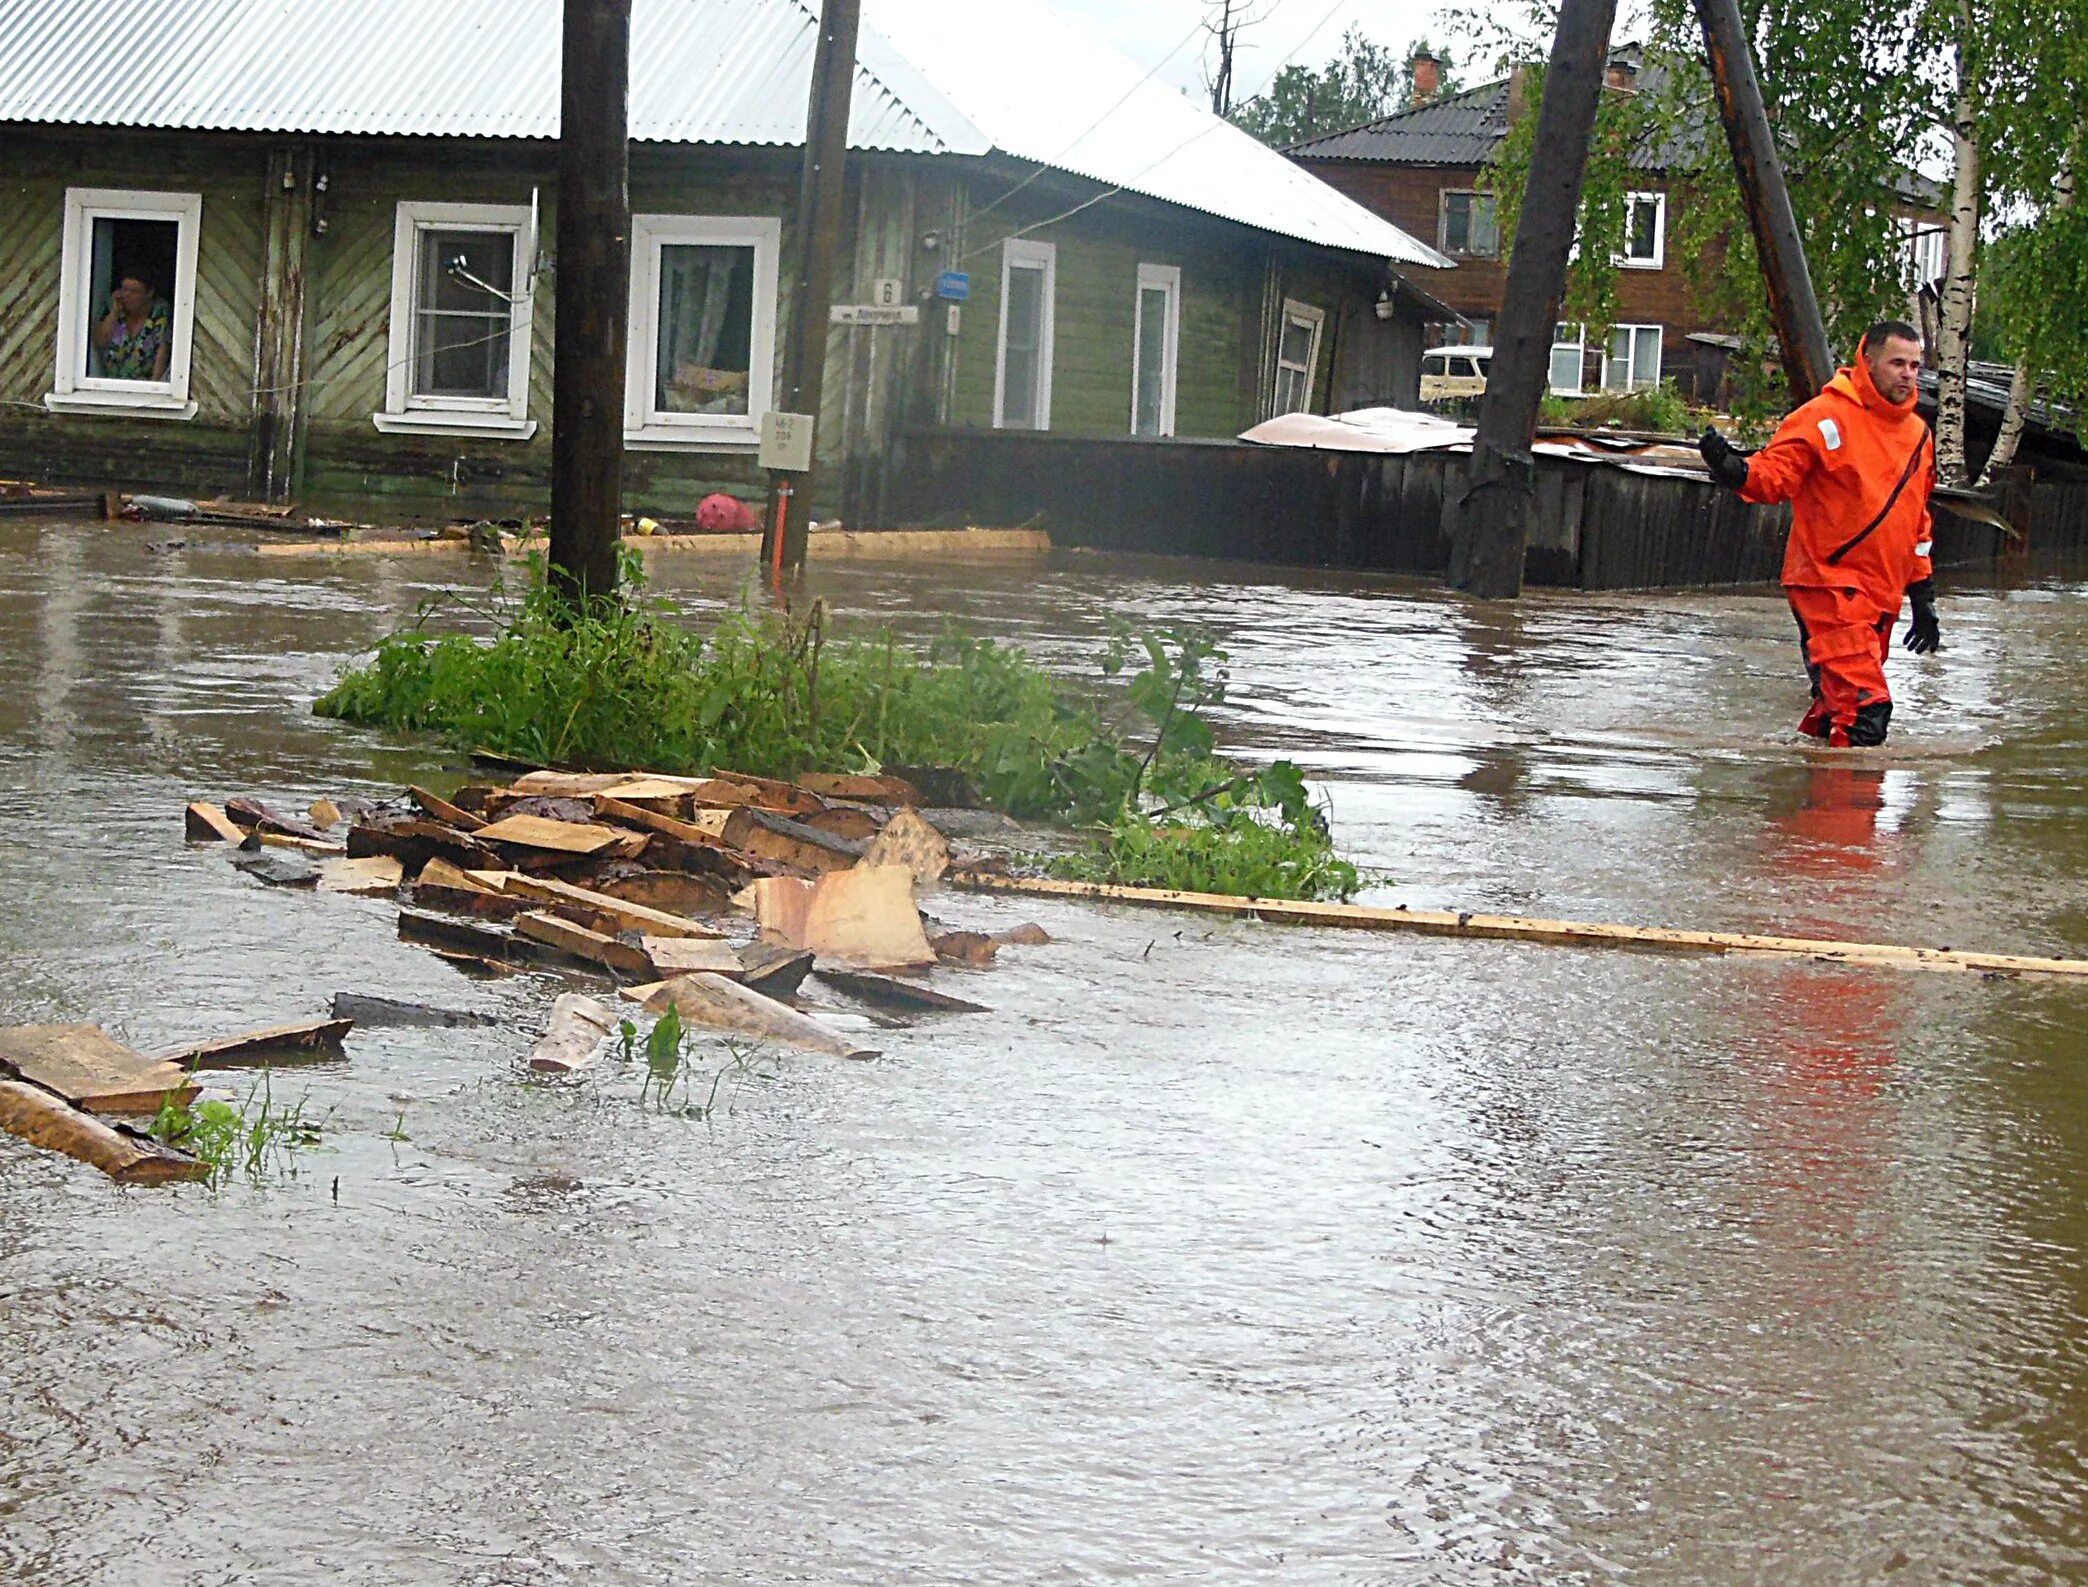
x: 1424, y: 170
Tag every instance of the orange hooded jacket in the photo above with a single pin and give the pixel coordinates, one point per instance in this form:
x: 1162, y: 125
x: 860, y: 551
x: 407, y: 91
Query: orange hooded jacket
x: 1840, y: 460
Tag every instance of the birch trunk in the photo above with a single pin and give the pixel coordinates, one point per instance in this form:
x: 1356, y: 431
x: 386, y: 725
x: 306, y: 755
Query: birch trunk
x: 1954, y: 341
x: 2018, y: 414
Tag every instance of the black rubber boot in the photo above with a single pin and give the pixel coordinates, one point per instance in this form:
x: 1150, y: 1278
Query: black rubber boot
x: 1868, y: 730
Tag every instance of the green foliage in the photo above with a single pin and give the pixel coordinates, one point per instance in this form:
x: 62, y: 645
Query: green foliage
x: 628, y: 686
x: 1625, y: 126
x: 1251, y: 856
x: 254, y: 1136
x: 1657, y: 410
x: 672, y: 1076
x: 1363, y: 82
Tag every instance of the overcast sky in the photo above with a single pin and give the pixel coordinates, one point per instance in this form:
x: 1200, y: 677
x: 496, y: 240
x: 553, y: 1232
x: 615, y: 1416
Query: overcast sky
x: 1307, y: 31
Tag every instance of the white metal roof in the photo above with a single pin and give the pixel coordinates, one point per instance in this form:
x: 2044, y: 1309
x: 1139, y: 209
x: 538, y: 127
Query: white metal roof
x: 1009, y: 76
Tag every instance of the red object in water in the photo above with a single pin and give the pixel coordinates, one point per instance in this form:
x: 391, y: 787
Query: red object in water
x: 723, y: 514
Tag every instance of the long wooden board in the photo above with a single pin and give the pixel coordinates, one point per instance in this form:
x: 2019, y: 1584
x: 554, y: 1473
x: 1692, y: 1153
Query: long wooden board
x: 628, y: 916
x: 581, y: 943
x: 1521, y: 928
x: 45, y: 1120
x: 560, y: 837
x: 91, y: 1069
x: 313, y: 1035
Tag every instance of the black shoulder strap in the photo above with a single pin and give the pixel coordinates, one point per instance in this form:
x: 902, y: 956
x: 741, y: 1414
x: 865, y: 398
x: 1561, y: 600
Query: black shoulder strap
x: 1884, y: 512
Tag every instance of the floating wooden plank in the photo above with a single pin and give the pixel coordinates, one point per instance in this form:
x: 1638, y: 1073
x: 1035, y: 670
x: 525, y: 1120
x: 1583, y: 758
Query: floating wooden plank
x: 415, y: 840
x: 639, y: 789
x: 561, y: 837
x: 743, y: 789
x: 889, y: 992
x: 91, y: 1069
x: 672, y: 956
x: 908, y: 840
x: 1027, y: 935
x: 567, y: 784
x: 325, y: 814
x: 363, y: 1009
x: 597, y: 947
x: 206, y: 823
x: 578, y: 1027
x: 718, y: 1004
x: 276, y: 867
x: 865, y: 917
x: 1521, y: 928
x: 850, y: 822
x: 470, y: 939
x: 126, y: 1156
x: 441, y: 873
x: 628, y: 916
x: 705, y: 832
x: 440, y: 809
x: 253, y: 813
x: 864, y: 790
x: 323, y: 847
x: 309, y: 1036
x: 788, y: 842
x: 672, y: 892
x: 373, y: 874
x: 773, y: 970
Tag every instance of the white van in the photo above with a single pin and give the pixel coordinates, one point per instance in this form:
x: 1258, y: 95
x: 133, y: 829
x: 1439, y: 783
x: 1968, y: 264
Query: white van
x: 1452, y: 374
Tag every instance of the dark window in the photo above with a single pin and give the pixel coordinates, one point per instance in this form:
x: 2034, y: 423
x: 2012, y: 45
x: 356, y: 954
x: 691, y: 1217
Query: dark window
x: 1468, y: 225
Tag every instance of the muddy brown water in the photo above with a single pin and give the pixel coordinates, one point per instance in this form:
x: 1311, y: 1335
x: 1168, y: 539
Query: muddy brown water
x: 1218, y: 1253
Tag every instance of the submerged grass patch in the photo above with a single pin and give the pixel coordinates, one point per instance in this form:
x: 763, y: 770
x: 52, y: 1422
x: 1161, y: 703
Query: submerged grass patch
x: 632, y: 684
x: 257, y: 1135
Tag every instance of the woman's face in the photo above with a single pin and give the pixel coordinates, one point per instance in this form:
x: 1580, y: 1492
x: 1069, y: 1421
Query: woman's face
x: 134, y: 295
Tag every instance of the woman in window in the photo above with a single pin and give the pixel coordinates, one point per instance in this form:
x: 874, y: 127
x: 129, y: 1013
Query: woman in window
x: 132, y: 337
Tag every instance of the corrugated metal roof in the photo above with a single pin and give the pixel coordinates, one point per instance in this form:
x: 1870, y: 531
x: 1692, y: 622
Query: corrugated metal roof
x: 1459, y: 129
x: 1010, y: 77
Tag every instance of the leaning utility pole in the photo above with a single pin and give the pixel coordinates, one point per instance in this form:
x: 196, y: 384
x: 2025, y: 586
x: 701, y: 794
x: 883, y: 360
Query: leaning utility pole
x: 812, y: 293
x: 1808, y: 360
x: 1489, y: 521
x: 594, y: 264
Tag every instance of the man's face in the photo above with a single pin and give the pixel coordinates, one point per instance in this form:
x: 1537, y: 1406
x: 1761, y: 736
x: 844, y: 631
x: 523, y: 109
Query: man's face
x: 1895, y: 368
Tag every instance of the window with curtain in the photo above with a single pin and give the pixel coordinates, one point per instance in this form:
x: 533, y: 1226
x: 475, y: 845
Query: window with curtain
x: 706, y: 329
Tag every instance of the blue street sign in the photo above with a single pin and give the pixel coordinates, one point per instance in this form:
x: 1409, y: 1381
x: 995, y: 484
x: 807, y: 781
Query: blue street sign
x: 954, y: 285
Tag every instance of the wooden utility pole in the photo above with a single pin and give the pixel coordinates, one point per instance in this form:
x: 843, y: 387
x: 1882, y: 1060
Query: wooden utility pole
x: 1489, y: 522
x: 594, y: 266
x: 1808, y: 360
x: 818, y: 250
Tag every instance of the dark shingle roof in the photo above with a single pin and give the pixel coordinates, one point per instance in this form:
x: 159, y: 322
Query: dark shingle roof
x: 1458, y: 129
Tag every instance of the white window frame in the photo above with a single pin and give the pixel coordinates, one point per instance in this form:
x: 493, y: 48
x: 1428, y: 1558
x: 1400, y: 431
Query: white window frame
x: 1315, y: 320
x: 1443, y: 197
x: 1168, y: 279
x: 646, y: 427
x: 1579, y: 344
x: 1625, y: 260
x: 1022, y: 253
x: 73, y: 390
x: 496, y: 418
x: 1632, y: 381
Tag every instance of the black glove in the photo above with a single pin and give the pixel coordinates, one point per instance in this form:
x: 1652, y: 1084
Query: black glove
x: 1728, y: 466
x: 1923, y: 634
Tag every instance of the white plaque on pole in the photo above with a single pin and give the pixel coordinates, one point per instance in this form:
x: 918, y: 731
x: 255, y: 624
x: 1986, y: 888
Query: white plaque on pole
x: 786, y: 442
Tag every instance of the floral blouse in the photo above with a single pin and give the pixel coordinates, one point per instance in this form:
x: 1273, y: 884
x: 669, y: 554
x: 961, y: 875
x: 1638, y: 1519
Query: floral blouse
x: 133, y: 350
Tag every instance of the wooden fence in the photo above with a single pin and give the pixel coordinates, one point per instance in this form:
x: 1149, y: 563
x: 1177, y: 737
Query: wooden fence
x: 1598, y: 528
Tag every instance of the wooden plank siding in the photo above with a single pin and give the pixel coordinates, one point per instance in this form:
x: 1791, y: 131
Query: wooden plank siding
x: 207, y: 453
x: 1233, y: 282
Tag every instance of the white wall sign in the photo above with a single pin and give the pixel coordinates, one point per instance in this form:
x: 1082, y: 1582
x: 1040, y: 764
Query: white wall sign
x: 874, y: 314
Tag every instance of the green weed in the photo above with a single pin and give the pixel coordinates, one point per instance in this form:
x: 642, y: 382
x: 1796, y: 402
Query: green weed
x: 255, y: 1136
x: 672, y: 1078
x: 629, y: 684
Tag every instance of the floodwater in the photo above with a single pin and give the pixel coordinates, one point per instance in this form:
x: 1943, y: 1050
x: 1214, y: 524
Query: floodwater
x: 1218, y: 1253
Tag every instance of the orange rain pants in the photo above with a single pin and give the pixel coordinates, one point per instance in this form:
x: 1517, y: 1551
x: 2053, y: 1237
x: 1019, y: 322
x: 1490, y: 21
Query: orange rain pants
x: 1845, y: 644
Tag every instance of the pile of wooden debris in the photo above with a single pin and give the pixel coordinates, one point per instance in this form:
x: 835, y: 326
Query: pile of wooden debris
x: 713, y: 896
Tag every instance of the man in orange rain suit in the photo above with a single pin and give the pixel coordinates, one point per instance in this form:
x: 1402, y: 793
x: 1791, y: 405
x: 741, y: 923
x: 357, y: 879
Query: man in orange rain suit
x: 1857, y: 465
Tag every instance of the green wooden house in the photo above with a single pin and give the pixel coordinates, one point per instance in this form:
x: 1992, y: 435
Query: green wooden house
x: 330, y: 225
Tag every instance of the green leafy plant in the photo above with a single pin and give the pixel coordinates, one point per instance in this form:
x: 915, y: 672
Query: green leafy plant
x: 255, y: 1136
x: 629, y: 685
